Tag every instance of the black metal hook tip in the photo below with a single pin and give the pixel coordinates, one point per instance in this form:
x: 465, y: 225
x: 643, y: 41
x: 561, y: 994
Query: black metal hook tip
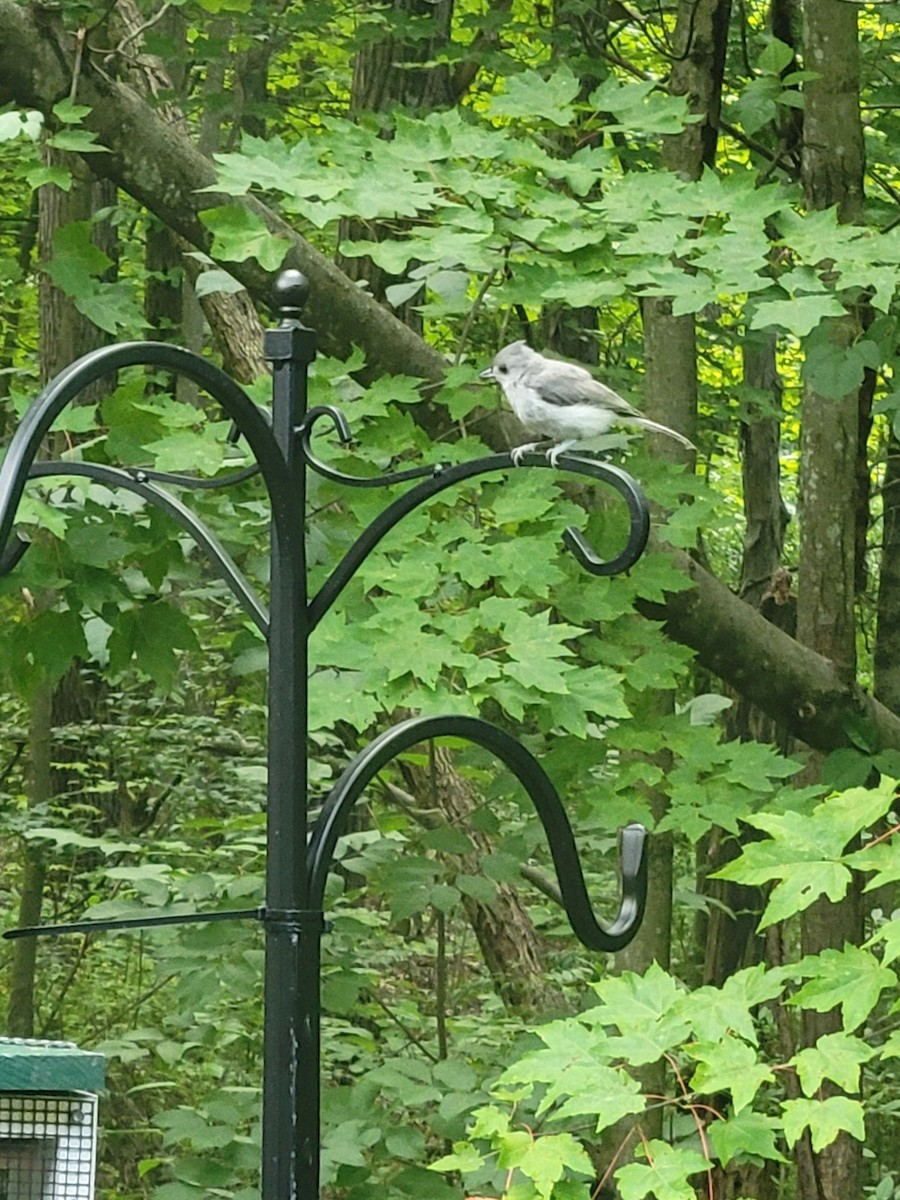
x: 334, y: 415
x: 578, y: 545
x: 632, y: 850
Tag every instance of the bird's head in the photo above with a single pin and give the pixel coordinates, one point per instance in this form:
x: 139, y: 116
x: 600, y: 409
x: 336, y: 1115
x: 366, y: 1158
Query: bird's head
x: 508, y: 362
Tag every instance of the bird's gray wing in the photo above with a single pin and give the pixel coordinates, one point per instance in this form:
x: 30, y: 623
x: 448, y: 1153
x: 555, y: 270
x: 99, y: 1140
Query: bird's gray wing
x: 565, y: 384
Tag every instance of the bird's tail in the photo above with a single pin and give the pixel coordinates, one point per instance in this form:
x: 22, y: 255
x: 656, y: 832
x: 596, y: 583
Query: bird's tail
x: 655, y: 427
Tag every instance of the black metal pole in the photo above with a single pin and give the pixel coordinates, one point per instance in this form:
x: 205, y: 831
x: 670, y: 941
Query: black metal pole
x: 290, y: 1153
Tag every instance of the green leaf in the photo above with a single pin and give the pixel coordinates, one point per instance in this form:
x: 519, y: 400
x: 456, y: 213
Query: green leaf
x: 715, y: 1013
x: 547, y: 1159
x: 68, y: 837
x: 746, y: 1135
x: 799, y: 315
x: 346, y: 1142
x: 846, y: 768
x: 646, y: 1011
x: 444, y: 897
x: 56, y: 638
x: 151, y: 635
x: 664, y: 1176
x: 220, y: 6
x: 730, y: 1064
x: 405, y: 1141
x: 340, y: 991
x: 502, y: 867
x: 825, y: 1119
x: 186, y: 450
x: 641, y: 107
x: 805, y: 851
x: 889, y: 935
x: 239, y: 234
x: 70, y: 112
x: 77, y: 141
x: 835, y: 1056
x: 75, y: 256
x: 60, y: 177
x: 479, y: 888
x: 575, y: 1066
x: 775, y: 56
x: 529, y: 94
x: 835, y: 371
x: 447, y: 840
x: 891, y: 1048
x: 216, y: 280
x: 76, y: 266
x: 465, y: 1159
x: 852, y: 978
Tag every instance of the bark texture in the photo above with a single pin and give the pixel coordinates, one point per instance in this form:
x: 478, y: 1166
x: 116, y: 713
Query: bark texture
x: 833, y: 150
x: 20, y: 1012
x: 833, y: 161
x: 887, y: 642
x: 764, y: 510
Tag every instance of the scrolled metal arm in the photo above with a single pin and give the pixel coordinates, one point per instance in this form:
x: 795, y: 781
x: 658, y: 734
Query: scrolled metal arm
x: 594, y: 934
x: 342, y: 429
x: 443, y: 476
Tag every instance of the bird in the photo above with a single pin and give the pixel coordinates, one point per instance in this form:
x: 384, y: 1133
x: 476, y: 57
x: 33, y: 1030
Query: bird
x: 561, y: 401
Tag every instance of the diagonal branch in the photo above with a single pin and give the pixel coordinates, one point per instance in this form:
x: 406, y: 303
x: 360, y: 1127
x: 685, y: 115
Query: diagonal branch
x: 800, y: 689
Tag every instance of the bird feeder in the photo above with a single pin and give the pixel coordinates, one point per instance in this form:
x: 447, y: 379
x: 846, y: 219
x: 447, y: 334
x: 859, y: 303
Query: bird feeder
x: 48, y: 1120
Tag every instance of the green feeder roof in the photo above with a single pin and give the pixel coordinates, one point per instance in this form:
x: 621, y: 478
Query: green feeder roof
x: 32, y: 1066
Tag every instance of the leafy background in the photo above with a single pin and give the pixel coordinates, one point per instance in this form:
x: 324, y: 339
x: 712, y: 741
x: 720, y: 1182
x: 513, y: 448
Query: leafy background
x: 133, y: 774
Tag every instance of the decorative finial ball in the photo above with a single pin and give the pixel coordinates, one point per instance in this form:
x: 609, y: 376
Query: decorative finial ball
x: 291, y: 292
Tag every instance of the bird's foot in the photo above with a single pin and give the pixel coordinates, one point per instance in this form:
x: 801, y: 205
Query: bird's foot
x: 554, y: 453
x: 519, y: 452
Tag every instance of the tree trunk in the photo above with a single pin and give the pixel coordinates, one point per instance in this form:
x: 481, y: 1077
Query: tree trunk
x: 20, y: 1012
x: 799, y: 688
x: 764, y: 510
x: 887, y: 640
x: 766, y: 585
x: 670, y: 348
x: 233, y: 321
x: 403, y: 72
x: 670, y: 396
x: 833, y: 163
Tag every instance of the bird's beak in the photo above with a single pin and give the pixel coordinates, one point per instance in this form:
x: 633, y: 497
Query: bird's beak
x: 487, y: 373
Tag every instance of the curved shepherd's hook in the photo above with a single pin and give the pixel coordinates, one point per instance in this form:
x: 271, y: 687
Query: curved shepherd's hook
x: 66, y: 386
x: 596, y: 935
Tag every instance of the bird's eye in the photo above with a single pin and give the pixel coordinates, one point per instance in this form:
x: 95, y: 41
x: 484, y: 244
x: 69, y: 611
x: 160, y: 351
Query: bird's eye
x: 503, y: 370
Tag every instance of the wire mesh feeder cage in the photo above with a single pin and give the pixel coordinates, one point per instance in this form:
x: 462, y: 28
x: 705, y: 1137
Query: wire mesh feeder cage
x: 48, y: 1120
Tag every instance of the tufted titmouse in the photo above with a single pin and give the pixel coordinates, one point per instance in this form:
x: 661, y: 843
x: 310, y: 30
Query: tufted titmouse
x: 561, y: 400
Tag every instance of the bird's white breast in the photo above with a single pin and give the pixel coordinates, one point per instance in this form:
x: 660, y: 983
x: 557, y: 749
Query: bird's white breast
x: 558, y: 421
